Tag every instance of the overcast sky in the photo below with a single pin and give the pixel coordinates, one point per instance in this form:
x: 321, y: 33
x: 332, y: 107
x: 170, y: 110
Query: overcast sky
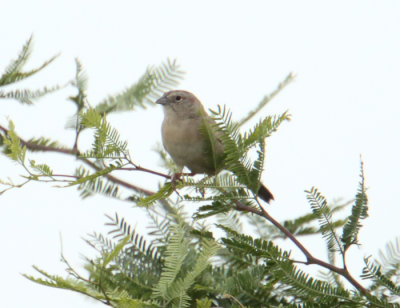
x: 344, y: 103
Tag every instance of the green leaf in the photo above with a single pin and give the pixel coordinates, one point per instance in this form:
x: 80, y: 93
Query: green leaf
x: 182, y: 267
x: 13, y: 73
x: 27, y: 96
x: 109, y: 257
x: 203, y: 303
x: 237, y: 146
x: 44, y: 142
x: 289, y: 78
x: 176, y: 252
x: 91, y: 118
x: 43, y: 169
x: 163, y: 193
x: 15, y: 150
x: 390, y: 258
x: 155, y: 81
x: 62, y: 283
x: 107, y: 142
x: 216, y: 207
x: 263, y: 129
x: 373, y: 271
x: 91, y: 177
x: 80, y: 82
x: 359, y: 211
x: 320, y: 208
x: 236, y: 160
x: 16, y: 65
x: 97, y: 185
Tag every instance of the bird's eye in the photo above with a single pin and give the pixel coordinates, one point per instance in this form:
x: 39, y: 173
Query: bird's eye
x: 178, y: 98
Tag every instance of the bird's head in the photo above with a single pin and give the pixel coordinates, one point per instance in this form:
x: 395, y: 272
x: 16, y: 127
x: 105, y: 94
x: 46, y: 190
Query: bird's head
x: 182, y: 104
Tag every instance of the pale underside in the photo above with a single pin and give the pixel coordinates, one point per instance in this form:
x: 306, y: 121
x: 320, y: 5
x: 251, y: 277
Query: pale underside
x: 185, y: 148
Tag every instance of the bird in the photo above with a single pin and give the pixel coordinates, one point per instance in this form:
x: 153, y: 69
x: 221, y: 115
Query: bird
x: 185, y: 140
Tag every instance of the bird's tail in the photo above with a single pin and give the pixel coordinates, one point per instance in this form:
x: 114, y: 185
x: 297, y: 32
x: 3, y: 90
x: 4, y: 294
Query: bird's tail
x: 265, y: 194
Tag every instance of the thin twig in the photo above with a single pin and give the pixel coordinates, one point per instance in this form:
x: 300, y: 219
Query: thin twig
x: 138, y: 168
x: 44, y: 148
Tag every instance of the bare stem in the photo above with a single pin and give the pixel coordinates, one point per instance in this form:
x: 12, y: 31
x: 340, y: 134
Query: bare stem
x: 138, y: 168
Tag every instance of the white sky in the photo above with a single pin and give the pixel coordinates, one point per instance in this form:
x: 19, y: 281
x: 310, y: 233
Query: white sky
x: 344, y: 102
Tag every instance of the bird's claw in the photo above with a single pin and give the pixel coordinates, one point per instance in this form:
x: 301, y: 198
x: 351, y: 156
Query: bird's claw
x: 175, y: 178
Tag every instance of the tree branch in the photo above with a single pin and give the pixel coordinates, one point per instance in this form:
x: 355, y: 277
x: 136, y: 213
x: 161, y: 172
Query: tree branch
x: 238, y: 205
x: 44, y: 148
x: 310, y: 258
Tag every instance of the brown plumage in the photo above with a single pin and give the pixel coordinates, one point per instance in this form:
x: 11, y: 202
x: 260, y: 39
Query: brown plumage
x: 184, y: 139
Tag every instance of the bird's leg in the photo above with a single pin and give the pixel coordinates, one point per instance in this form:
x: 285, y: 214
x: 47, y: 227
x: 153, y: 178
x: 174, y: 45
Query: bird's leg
x: 176, y: 177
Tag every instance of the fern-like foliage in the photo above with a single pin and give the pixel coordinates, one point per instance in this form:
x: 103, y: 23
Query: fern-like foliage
x: 155, y: 81
x: 222, y: 187
x: 247, y: 251
x: 107, y: 142
x: 177, y: 271
x: 172, y: 288
x: 92, y: 288
x: 90, y: 184
x: 165, y: 276
x: 263, y: 129
x: 235, y: 158
x: 320, y: 208
x: 14, y: 73
x: 84, y: 176
x: 387, y: 289
x: 359, y: 211
x: 305, y: 286
x: 80, y: 83
x: 267, y: 98
x: 14, y: 149
x: 42, y: 169
x: 133, y: 264
x: 307, y: 224
x: 108, y: 150
x: 260, y: 249
x: 216, y: 207
x: 122, y: 229
x: 237, y: 145
x: 27, y: 96
x: 80, y: 100
x: 184, y: 262
x: 62, y: 283
x: 390, y: 258
x: 117, y: 269
x: 42, y: 141
x: 162, y: 193
x: 385, y: 273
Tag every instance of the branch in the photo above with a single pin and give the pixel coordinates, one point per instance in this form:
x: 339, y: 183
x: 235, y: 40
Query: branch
x: 238, y: 205
x: 138, y: 168
x: 118, y: 180
x: 44, y: 148
x: 310, y: 258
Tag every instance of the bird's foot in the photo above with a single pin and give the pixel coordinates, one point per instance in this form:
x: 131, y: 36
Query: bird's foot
x: 176, y: 177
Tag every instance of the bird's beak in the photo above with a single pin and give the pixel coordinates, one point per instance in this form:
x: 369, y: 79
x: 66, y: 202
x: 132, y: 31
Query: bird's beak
x: 162, y: 100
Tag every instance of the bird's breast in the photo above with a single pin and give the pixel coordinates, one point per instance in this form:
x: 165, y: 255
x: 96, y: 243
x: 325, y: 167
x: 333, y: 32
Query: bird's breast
x: 185, y: 143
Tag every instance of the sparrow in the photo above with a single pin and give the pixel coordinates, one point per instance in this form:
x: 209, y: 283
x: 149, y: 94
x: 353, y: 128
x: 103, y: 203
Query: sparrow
x: 185, y: 140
